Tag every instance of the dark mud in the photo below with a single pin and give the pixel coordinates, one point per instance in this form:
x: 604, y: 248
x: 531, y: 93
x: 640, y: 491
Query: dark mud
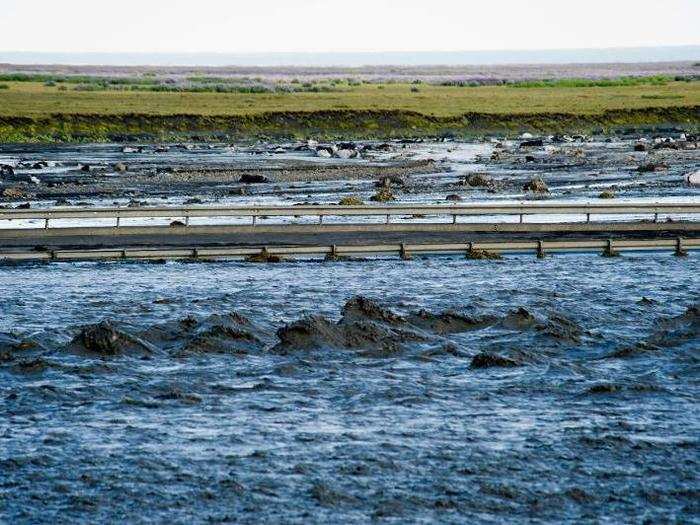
x: 436, y: 390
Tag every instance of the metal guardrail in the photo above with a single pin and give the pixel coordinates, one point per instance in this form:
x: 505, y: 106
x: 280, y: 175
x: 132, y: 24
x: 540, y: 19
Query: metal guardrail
x: 254, y: 212
x: 607, y: 247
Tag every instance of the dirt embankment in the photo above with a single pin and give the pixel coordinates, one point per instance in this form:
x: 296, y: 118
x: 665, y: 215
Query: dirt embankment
x: 345, y: 123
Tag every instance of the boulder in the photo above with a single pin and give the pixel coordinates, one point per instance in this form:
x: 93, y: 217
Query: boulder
x: 6, y: 169
x: 479, y: 180
x: 693, y: 179
x: 640, y: 147
x: 388, y: 181
x: 346, y: 153
x: 453, y: 197
x: 652, y: 167
x: 120, y: 167
x: 248, y: 178
x: 14, y: 193
x: 536, y: 185
x: 490, y: 360
x: 351, y: 201
x: 537, y: 143
x: 383, y: 195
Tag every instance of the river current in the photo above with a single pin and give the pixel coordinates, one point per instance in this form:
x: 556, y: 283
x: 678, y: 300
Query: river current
x: 589, y: 414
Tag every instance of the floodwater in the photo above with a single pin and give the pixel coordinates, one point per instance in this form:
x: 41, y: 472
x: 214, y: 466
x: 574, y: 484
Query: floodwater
x: 594, y: 422
x: 562, y: 390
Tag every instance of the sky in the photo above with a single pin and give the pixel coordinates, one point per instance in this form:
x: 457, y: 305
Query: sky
x: 263, y: 26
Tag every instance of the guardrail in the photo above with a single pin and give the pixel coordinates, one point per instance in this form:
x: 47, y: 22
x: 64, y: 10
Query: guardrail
x: 254, y: 212
x: 607, y: 247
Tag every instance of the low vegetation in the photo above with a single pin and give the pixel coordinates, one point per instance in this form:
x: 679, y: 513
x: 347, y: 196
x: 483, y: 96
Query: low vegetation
x: 50, y: 107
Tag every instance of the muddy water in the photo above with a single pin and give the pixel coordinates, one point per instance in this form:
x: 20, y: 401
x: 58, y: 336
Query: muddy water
x: 595, y: 423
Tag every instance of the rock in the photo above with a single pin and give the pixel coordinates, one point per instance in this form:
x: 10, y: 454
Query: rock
x: 194, y: 200
x: 475, y: 254
x: 536, y: 185
x: 607, y: 194
x: 529, y: 158
x: 383, y: 195
x: 453, y: 197
x: 120, y: 167
x: 105, y: 339
x: 177, y: 224
x: 351, y: 201
x: 538, y: 143
x: 6, y: 169
x: 86, y: 168
x: 248, y: 178
x: 640, y: 147
x: 14, y: 193
x: 489, y: 360
x: 323, y: 153
x: 23, y: 206
x: 693, y: 179
x: 477, y: 180
x: 651, y: 167
x: 527, y: 136
x: 390, y: 180
x: 22, y: 177
x: 346, y: 153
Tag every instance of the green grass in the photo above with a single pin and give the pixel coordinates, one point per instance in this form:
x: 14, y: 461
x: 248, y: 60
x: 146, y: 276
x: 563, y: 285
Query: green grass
x: 34, y: 99
x: 659, y: 80
x: 50, y: 110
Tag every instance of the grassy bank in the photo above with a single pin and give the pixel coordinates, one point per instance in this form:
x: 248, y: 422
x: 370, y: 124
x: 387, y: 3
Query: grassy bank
x: 33, y: 111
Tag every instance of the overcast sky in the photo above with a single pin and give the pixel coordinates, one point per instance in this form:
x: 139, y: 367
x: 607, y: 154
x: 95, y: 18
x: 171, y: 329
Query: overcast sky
x: 235, y: 26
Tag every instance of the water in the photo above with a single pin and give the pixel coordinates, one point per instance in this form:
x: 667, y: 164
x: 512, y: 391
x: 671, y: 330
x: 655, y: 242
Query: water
x: 573, y: 435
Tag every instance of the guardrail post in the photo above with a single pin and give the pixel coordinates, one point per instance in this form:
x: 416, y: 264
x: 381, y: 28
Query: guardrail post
x: 454, y: 218
x: 540, y: 250
x: 254, y: 220
x: 656, y: 217
x: 609, y: 251
x: 387, y: 218
x: 117, y: 221
x: 187, y: 220
x: 46, y: 223
x: 403, y: 253
x: 470, y: 248
x: 588, y: 217
x: 521, y: 218
x: 680, y: 252
x: 320, y: 219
